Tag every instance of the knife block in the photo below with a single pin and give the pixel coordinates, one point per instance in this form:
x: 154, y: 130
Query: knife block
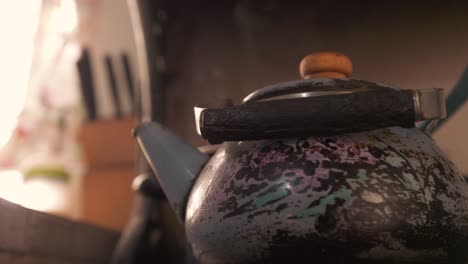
x: 109, y: 151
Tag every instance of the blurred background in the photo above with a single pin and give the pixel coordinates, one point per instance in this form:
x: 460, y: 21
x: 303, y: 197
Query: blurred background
x: 78, y: 75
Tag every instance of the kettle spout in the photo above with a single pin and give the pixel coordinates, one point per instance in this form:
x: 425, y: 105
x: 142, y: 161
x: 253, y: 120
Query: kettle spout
x: 175, y: 163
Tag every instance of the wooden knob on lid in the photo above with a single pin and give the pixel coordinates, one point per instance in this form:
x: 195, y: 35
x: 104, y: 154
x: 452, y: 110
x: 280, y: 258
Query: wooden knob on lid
x: 325, y: 65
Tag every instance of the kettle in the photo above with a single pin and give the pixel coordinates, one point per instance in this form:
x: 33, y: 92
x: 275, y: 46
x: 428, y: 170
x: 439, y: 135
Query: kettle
x: 325, y: 169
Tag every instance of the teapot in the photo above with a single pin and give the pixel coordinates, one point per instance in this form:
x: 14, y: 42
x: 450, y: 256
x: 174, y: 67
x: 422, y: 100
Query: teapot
x: 326, y: 169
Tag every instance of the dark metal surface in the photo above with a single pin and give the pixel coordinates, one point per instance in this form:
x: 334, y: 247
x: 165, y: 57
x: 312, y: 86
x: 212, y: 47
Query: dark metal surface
x: 147, y: 185
x: 386, y: 196
x: 141, y: 239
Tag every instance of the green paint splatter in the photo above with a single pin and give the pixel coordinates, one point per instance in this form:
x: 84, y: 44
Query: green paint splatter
x: 343, y: 194
x: 271, y: 196
x: 362, y: 175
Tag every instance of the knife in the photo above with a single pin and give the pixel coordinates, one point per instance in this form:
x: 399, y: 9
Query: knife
x: 113, y: 85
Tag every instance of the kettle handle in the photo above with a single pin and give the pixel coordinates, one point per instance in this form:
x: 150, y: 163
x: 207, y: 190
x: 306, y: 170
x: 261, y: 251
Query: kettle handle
x: 310, y: 116
x: 320, y: 115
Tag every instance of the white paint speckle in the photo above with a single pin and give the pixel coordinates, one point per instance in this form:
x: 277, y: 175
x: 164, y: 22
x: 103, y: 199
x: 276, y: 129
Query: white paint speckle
x: 372, y: 197
x: 387, y: 210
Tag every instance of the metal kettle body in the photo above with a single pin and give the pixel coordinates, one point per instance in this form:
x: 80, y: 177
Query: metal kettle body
x: 384, y: 196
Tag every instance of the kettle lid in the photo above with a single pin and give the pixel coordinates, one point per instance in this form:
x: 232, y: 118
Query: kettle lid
x: 323, y: 73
